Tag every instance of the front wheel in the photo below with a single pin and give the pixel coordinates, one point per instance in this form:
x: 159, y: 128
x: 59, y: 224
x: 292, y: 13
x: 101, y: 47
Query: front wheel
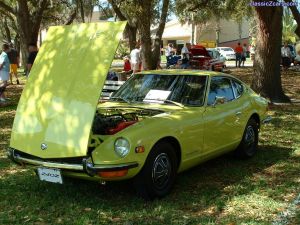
x: 159, y: 172
x: 248, y: 146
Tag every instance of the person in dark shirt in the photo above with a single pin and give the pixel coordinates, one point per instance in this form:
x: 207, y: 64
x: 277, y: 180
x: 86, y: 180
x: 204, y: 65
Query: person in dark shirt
x: 33, y: 51
x: 13, y: 57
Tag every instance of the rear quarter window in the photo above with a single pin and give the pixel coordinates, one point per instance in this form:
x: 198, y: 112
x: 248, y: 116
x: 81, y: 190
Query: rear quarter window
x: 238, y: 88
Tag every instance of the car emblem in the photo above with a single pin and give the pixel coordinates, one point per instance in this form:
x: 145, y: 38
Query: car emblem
x: 44, y: 146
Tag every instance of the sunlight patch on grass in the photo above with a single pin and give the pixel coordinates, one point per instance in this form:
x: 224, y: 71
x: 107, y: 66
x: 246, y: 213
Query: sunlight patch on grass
x: 253, y: 205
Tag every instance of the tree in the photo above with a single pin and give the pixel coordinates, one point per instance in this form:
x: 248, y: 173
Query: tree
x: 296, y: 15
x: 141, y: 16
x: 125, y: 12
x: 288, y: 26
x: 266, y: 78
x: 30, y: 16
x: 145, y: 15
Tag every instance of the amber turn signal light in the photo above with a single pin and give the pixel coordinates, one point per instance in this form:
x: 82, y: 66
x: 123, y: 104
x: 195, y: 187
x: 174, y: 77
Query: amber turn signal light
x: 112, y: 174
x: 139, y: 149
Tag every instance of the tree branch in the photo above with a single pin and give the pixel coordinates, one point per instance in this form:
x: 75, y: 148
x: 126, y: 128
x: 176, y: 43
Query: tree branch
x: 163, y: 18
x: 6, y: 7
x: 296, y: 16
x: 117, y: 10
x: 103, y: 10
x: 71, y: 17
x: 198, y: 5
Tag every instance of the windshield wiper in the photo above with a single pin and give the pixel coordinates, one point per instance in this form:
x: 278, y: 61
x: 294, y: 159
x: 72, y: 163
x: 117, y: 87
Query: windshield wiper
x: 175, y: 103
x: 120, y: 98
x: 165, y: 101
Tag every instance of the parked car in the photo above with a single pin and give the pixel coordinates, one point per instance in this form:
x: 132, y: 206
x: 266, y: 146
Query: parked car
x: 216, y: 56
x: 157, y: 124
x: 201, y: 58
x: 227, y: 52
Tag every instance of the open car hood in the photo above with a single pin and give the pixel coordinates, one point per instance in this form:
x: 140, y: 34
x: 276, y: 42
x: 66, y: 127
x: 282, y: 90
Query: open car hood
x: 199, y: 50
x: 57, y: 106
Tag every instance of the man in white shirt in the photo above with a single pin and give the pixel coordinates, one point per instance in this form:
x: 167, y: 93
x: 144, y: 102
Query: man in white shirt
x: 185, y: 49
x: 169, y: 50
x: 135, y: 59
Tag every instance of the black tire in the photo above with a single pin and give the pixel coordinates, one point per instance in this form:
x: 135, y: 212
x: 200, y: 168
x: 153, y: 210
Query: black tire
x: 248, y: 146
x: 161, y: 160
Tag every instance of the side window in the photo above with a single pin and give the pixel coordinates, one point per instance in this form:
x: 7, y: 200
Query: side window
x: 238, y: 88
x: 221, y: 87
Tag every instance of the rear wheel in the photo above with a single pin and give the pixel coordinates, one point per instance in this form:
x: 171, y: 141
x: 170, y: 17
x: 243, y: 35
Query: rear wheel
x: 248, y: 145
x: 158, y: 174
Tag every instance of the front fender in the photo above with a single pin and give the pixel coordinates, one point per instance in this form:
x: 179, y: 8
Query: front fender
x: 145, y: 133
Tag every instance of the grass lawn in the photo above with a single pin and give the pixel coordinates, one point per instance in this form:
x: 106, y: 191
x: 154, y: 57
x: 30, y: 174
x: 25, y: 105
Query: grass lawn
x: 220, y: 191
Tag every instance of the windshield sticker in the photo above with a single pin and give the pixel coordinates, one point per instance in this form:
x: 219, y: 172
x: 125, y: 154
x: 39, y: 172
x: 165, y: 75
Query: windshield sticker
x: 157, y: 96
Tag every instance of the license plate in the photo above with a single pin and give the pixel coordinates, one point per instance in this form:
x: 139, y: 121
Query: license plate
x: 50, y: 175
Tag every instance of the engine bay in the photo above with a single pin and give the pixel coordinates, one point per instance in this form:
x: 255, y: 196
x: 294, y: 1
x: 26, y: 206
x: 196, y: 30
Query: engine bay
x: 109, y: 121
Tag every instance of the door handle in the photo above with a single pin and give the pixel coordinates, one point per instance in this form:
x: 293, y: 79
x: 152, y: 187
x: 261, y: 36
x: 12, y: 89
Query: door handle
x: 238, y: 113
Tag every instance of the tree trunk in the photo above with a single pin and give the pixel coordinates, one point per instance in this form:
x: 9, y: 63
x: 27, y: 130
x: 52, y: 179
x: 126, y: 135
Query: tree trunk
x: 29, y: 25
x: 7, y: 31
x: 131, y: 28
x: 266, y: 79
x: 150, y: 56
x: 131, y: 33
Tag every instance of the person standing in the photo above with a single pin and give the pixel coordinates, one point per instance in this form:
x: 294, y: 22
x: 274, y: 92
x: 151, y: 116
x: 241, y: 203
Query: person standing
x: 185, y: 61
x: 286, y: 56
x: 238, y: 55
x: 33, y: 51
x: 135, y: 59
x: 127, y: 65
x: 244, y: 54
x: 169, y: 53
x: 13, y: 57
x: 185, y: 54
x: 185, y: 49
x: 4, y: 71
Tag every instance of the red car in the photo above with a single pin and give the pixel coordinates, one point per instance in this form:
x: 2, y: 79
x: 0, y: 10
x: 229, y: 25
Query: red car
x: 201, y: 59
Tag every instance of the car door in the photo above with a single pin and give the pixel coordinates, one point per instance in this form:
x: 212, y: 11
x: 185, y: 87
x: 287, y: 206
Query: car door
x: 222, y: 120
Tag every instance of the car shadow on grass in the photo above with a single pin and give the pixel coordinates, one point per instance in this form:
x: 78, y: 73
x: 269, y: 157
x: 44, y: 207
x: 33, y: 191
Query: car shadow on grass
x: 201, y: 193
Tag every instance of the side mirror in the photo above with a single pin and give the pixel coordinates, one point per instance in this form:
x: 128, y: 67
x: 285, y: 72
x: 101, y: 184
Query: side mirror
x: 219, y: 100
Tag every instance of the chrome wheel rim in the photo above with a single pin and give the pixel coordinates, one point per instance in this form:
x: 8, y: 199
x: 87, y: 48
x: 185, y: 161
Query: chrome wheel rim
x: 161, y: 171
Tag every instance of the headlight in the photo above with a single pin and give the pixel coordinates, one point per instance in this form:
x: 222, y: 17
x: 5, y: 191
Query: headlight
x: 122, y: 147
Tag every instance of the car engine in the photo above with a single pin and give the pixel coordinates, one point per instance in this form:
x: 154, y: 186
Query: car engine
x: 110, y: 121
x: 111, y: 124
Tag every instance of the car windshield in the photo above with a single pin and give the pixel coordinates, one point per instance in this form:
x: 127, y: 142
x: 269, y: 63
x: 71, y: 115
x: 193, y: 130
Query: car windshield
x: 227, y: 49
x: 164, y: 89
x: 213, y: 53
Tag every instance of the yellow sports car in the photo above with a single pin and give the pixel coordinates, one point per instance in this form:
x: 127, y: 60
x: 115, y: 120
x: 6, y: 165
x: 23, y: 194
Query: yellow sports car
x: 156, y: 125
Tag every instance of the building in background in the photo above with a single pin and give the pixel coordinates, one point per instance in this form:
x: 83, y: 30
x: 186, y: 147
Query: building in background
x: 223, y: 33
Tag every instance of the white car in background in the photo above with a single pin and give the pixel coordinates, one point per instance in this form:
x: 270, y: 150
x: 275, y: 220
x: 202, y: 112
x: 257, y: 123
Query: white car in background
x: 227, y: 52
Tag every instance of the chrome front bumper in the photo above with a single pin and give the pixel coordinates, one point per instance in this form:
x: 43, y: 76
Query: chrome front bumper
x: 87, y: 165
x: 267, y: 120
